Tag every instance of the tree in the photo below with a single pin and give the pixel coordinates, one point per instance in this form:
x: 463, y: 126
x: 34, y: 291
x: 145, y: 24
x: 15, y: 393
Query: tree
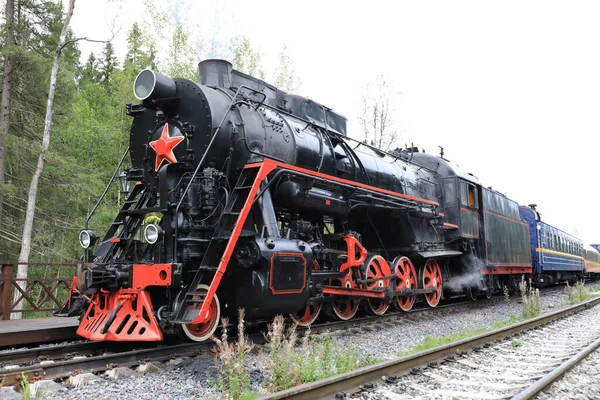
x: 89, y: 73
x: 245, y: 58
x: 285, y: 77
x: 33, y: 188
x: 376, y: 115
x: 109, y: 61
x: 181, y: 63
x: 6, y: 94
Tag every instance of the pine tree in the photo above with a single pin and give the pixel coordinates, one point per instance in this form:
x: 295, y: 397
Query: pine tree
x: 108, y: 64
x: 7, y: 89
x: 89, y: 73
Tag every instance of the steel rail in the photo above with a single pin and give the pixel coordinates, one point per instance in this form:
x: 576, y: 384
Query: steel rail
x: 536, y: 387
x: 103, y: 362
x: 161, y: 351
x: 350, y: 381
x: 61, y: 351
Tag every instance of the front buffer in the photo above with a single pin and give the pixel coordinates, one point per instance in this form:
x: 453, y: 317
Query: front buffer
x: 126, y: 314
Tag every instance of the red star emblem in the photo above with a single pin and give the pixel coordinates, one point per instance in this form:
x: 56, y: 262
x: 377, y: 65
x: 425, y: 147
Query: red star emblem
x: 164, y: 147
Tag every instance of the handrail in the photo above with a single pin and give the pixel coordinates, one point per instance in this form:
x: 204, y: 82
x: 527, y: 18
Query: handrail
x: 208, y: 148
x: 87, y: 220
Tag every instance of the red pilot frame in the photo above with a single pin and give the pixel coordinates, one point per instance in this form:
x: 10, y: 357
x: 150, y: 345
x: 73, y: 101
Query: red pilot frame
x: 127, y: 314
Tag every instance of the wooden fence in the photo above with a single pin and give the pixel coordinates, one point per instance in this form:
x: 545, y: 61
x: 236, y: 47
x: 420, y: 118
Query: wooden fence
x: 38, y: 293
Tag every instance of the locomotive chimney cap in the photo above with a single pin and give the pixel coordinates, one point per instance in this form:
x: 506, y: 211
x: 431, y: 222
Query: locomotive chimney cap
x: 215, y: 72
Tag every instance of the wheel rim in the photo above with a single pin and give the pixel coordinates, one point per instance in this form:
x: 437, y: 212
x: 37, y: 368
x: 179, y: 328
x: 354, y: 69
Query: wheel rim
x: 375, y: 269
x: 311, y: 312
x: 307, y: 315
x: 204, y: 330
x: 407, y: 279
x: 345, y: 310
x: 472, y: 294
x: 432, y: 277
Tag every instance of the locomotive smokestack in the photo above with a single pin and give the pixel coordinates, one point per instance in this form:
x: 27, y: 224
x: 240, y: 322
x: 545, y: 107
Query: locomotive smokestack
x: 215, y: 73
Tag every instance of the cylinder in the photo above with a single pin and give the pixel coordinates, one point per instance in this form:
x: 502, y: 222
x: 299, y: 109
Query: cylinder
x: 215, y: 73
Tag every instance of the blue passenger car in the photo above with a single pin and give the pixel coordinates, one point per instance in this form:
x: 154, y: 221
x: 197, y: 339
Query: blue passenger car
x: 556, y: 255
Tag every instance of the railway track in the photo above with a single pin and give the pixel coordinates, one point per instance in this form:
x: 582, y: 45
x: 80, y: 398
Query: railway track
x: 517, y: 361
x: 60, y: 361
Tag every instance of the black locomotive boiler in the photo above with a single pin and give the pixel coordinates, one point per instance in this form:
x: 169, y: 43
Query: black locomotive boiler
x: 245, y: 196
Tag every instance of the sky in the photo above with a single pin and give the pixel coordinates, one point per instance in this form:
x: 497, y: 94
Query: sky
x: 510, y: 90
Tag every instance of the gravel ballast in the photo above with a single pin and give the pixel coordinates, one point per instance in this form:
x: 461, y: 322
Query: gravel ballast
x: 194, y: 377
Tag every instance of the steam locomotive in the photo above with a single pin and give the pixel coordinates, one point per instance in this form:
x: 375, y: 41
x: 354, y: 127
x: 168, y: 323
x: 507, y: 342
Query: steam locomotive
x: 245, y: 196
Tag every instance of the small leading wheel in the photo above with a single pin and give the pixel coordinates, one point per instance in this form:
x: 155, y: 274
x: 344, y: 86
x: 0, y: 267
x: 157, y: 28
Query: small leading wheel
x: 407, y: 279
x: 376, y: 267
x: 307, y: 315
x: 472, y: 292
x: 203, y: 331
x: 431, y: 276
x: 345, y: 310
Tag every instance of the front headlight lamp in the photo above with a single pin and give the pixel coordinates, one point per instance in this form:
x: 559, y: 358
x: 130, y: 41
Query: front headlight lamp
x: 87, y: 238
x: 152, y: 232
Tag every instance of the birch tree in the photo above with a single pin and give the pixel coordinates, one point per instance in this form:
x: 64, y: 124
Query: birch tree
x: 6, y: 94
x: 22, y: 270
x: 285, y: 77
x: 245, y: 58
x: 376, y: 115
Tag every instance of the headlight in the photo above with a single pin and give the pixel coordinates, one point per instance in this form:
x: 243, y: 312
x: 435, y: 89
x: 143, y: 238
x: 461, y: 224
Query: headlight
x: 87, y: 238
x: 152, y: 233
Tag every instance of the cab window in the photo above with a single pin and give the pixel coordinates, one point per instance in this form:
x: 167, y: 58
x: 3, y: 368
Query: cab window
x: 468, y: 195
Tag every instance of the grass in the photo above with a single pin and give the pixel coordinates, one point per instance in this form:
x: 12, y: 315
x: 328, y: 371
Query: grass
x: 578, y: 293
x: 313, y: 359
x: 290, y: 363
x: 530, y: 300
x: 26, y: 390
x: 233, y: 377
x: 530, y: 308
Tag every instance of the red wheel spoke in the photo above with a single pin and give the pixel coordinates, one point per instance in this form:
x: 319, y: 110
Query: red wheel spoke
x: 204, y: 330
x: 432, y: 277
x: 407, y: 279
x: 345, y: 310
x: 377, y: 267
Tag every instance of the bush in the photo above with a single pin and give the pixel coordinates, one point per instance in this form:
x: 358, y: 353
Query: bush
x: 293, y: 365
x: 530, y: 299
x: 233, y: 378
x: 578, y: 293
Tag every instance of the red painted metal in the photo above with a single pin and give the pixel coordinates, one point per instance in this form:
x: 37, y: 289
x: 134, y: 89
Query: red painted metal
x: 352, y: 243
x: 131, y: 313
x: 145, y: 275
x: 265, y: 169
x: 507, y: 270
